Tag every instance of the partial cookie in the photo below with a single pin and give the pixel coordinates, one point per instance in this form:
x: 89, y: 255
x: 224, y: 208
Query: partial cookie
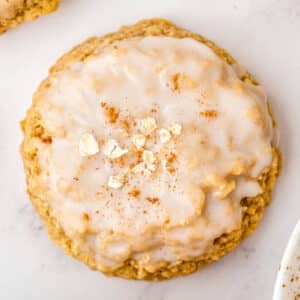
x: 15, y: 12
x: 149, y: 152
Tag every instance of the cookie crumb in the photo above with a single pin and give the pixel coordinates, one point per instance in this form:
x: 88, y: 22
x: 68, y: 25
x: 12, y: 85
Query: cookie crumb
x: 139, y: 141
x: 146, y: 125
x: 112, y: 150
x: 164, y: 136
x: 88, y: 144
x: 116, y: 181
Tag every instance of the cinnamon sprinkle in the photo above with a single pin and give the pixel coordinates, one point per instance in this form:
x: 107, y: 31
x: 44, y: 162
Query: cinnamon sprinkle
x: 134, y: 193
x: 47, y: 139
x: 152, y: 200
x: 175, y: 81
x: 210, y: 113
x: 125, y: 124
x: 86, y: 217
x: 111, y: 112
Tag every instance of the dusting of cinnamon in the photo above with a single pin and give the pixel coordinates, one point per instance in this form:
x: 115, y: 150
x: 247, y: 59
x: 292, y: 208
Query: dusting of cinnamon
x: 139, y: 156
x: 171, y: 158
x: 120, y: 161
x: 111, y: 112
x: 152, y: 200
x: 182, y: 81
x: 175, y: 82
x: 47, y: 139
x: 86, y: 217
x: 75, y: 178
x: 125, y: 124
x: 210, y: 113
x: 134, y: 193
x: 171, y: 169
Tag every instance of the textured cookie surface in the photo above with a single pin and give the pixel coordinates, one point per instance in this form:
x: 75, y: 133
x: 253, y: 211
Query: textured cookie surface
x: 148, y: 152
x: 14, y: 12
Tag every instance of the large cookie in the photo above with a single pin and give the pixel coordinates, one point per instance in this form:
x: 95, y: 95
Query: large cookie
x: 149, y: 152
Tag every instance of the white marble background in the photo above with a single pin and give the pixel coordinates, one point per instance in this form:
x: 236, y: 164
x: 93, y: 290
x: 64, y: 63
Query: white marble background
x: 264, y: 35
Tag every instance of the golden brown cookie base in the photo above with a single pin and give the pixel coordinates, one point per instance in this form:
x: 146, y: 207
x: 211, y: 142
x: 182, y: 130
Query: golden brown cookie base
x: 33, y: 129
x: 28, y: 11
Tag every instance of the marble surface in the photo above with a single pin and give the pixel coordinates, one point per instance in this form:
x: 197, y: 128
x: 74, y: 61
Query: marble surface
x: 264, y: 35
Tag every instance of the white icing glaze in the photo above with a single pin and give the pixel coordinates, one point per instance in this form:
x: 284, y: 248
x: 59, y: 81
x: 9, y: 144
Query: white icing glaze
x: 216, y: 141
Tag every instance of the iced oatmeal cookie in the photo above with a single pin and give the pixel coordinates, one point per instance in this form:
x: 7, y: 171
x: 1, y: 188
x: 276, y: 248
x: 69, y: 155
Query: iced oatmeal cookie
x: 149, y: 152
